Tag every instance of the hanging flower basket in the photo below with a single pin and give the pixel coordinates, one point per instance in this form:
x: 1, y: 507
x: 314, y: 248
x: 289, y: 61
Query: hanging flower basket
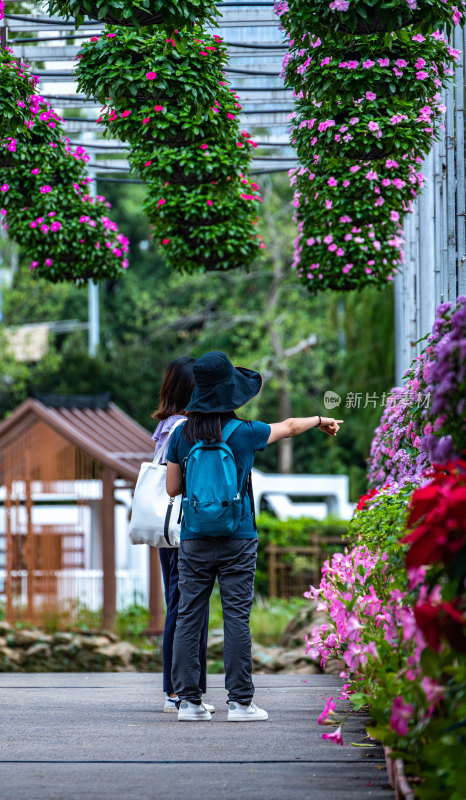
x: 40, y: 162
x: 173, y: 124
x: 225, y: 246
x: 338, y: 68
x: 369, y: 129
x: 342, y: 256
x: 17, y: 86
x: 125, y: 65
x: 363, y: 17
x: 194, y: 164
x: 207, y: 205
x: 365, y: 192
x: 138, y: 13
x: 76, y: 242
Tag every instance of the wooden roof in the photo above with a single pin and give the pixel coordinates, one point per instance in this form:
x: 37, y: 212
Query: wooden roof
x: 107, y: 434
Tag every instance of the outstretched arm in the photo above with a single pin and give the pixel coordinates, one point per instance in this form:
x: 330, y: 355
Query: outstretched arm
x: 296, y: 425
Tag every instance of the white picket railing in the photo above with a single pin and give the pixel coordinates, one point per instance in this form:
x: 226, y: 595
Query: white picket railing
x: 435, y: 270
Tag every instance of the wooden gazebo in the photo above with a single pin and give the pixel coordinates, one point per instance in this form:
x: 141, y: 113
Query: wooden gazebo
x: 51, y: 442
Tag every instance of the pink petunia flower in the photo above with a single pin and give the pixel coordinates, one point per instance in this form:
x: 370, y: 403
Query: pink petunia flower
x: 336, y: 736
x: 151, y: 76
x: 401, y: 714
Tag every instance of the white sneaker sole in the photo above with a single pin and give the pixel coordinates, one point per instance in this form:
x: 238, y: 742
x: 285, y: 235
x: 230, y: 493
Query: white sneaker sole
x: 170, y: 710
x: 204, y: 718
x: 248, y: 718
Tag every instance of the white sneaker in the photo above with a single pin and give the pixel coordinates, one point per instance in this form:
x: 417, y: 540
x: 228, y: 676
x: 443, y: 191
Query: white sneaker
x: 237, y: 712
x: 208, y: 707
x: 170, y: 706
x: 190, y: 712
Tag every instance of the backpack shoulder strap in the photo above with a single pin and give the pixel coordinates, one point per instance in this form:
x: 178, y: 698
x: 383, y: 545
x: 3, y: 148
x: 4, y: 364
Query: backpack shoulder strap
x: 229, y: 428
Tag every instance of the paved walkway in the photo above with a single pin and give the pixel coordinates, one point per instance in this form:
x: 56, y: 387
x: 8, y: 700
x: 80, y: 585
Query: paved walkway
x: 104, y: 737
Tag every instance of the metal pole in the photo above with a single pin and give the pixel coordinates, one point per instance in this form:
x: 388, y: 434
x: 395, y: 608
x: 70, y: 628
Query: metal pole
x: 92, y: 287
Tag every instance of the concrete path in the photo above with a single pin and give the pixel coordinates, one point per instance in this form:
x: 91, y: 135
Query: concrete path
x: 104, y: 737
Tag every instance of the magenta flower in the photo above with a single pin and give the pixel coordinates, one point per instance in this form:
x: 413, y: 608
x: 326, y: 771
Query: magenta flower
x: 48, y: 262
x: 145, y: 120
x: 329, y: 708
x: 151, y: 75
x: 370, y: 96
x: 401, y: 714
x: 159, y: 108
x: 334, y: 737
x: 125, y: 113
x: 35, y: 171
x: 4, y: 187
x: 332, y: 182
x: 45, y: 189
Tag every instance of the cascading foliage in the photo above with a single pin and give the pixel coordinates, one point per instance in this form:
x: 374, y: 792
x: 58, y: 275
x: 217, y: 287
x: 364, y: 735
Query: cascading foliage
x: 167, y: 96
x: 45, y: 202
x: 366, y: 78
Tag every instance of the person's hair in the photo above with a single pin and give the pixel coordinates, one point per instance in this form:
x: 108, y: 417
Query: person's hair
x: 205, y: 427
x: 177, y: 388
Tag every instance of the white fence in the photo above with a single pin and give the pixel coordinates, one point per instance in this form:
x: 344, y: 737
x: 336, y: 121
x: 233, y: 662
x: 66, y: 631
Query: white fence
x: 84, y: 588
x: 435, y: 270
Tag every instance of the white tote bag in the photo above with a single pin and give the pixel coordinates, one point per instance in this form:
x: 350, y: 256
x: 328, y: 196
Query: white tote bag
x: 155, y: 515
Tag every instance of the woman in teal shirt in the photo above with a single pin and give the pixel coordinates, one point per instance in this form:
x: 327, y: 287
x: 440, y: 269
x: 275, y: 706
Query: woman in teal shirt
x: 220, y: 389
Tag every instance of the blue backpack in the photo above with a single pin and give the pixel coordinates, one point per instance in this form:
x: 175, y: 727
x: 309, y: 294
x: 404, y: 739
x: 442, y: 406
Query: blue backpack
x: 212, y: 500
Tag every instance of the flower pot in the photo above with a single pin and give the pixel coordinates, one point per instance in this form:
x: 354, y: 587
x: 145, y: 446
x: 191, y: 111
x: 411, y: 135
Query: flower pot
x: 142, y: 17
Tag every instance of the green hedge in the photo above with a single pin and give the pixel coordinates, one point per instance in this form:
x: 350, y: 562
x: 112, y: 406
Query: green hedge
x: 289, y: 533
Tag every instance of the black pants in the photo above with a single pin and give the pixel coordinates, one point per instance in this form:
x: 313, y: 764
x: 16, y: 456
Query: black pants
x: 169, y: 564
x: 200, y: 561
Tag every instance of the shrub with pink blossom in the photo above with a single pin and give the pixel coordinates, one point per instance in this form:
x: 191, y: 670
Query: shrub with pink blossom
x: 364, y: 17
x: 191, y: 164
x: 364, y: 191
x: 339, y: 69
x: 133, y: 67
x: 70, y: 243
x: 17, y: 86
x: 174, y: 123
x: 342, y: 256
x: 368, y: 128
x: 33, y: 162
x: 223, y: 224
x: 377, y: 600
x: 137, y: 13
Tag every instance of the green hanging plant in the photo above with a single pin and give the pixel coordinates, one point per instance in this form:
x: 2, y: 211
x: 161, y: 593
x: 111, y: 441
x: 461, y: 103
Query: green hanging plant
x: 340, y: 68
x: 192, y: 164
x: 38, y: 159
x: 366, y: 192
x: 72, y: 242
x: 123, y: 65
x: 364, y: 17
x: 17, y: 87
x: 173, y: 123
x: 341, y: 256
x: 370, y: 128
x: 207, y: 204
x: 137, y: 13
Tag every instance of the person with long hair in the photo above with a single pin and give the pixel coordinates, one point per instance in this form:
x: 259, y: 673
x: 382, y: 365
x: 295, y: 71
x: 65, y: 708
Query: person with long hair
x: 177, y: 387
x: 220, y: 389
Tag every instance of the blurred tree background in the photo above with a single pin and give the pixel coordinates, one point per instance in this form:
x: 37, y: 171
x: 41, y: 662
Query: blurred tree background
x: 264, y: 320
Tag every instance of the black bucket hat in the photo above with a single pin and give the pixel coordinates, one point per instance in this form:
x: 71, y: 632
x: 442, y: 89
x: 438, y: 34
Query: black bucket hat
x: 220, y: 387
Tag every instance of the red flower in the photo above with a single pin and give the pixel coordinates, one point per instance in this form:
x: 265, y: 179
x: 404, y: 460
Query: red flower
x: 437, y: 518
x: 442, y: 620
x: 365, y: 497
